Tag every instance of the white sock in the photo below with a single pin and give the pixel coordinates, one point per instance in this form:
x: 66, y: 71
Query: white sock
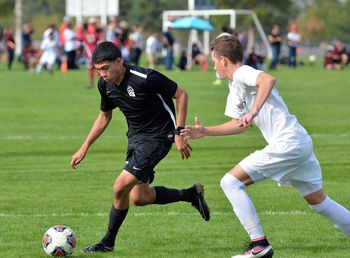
x: 336, y: 213
x: 242, y: 205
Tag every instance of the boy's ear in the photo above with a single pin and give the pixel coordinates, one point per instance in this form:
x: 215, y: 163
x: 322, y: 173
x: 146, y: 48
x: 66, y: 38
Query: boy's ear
x: 224, y: 61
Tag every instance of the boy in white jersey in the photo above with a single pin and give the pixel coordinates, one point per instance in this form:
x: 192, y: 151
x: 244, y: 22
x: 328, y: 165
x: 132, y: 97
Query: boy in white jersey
x: 288, y: 158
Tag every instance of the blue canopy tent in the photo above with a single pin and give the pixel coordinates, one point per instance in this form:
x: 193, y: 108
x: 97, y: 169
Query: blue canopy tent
x: 193, y: 24
x: 189, y: 23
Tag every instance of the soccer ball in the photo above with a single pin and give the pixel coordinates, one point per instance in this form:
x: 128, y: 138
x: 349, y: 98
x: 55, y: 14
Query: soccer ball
x: 59, y: 240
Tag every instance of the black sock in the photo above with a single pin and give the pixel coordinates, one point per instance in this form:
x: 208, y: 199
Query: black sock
x: 167, y: 195
x: 261, y: 242
x: 116, y: 218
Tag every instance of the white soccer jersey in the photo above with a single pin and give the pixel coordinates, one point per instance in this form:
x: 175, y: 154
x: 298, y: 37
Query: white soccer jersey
x: 274, y: 120
x: 49, y: 48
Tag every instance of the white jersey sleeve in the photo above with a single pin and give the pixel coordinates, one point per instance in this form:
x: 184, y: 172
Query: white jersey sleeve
x: 246, y: 76
x: 244, y: 82
x: 232, y: 109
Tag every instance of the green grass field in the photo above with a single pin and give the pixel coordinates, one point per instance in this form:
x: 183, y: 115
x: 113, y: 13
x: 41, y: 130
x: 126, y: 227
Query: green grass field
x: 44, y: 119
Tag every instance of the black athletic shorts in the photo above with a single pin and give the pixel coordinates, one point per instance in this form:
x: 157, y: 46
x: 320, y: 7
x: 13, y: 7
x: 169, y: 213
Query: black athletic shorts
x: 143, y: 155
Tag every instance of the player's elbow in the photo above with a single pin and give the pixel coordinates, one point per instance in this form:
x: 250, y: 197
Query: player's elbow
x: 181, y: 94
x: 269, y: 79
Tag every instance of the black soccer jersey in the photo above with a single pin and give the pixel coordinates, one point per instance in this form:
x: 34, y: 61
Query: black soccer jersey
x: 145, y: 98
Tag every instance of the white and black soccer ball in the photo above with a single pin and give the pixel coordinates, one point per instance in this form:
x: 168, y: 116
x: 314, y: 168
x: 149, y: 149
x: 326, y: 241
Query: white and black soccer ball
x: 59, y: 240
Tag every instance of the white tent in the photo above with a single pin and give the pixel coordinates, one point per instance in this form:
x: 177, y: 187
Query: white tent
x: 88, y: 8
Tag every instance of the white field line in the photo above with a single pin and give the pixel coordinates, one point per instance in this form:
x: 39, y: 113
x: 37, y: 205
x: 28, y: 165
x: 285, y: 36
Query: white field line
x: 72, y: 137
x: 146, y: 214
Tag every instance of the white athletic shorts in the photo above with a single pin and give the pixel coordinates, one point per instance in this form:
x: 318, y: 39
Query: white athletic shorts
x: 290, y: 164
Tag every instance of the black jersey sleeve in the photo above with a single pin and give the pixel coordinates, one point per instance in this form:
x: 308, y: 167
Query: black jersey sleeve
x: 161, y: 84
x: 105, y: 104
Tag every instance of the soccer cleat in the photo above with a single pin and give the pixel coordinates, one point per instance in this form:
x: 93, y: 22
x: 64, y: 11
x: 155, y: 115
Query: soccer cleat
x: 97, y: 248
x: 199, y: 201
x: 255, y: 250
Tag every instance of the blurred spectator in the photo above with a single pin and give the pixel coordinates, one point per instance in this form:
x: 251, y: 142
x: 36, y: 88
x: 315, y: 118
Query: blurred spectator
x: 10, y: 46
x: 339, y: 56
x: 49, y: 53
x: 327, y: 61
x: 243, y: 38
x: 182, y: 61
x: 199, y: 58
x: 151, y: 49
x: 62, y: 59
x: 89, y: 38
x: 275, y: 40
x: 30, y: 57
x: 26, y: 36
x: 2, y: 43
x: 137, y: 42
x: 70, y: 46
x: 52, y: 28
x: 123, y: 33
x: 336, y: 56
x: 123, y: 37
x: 66, y: 21
x: 256, y: 59
x: 111, y: 31
x: 168, y: 43
x: 228, y: 30
x: 294, y: 39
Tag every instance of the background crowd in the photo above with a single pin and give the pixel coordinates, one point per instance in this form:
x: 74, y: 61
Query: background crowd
x: 70, y: 47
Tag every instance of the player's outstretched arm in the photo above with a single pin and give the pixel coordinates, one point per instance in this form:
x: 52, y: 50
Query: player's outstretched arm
x: 97, y: 129
x: 194, y: 131
x: 199, y: 130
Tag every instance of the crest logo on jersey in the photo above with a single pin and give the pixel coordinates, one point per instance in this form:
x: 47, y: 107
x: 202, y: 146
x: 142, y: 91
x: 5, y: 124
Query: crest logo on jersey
x: 242, y: 105
x: 131, y: 91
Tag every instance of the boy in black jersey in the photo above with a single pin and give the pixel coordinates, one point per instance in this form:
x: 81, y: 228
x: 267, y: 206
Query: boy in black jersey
x: 145, y: 98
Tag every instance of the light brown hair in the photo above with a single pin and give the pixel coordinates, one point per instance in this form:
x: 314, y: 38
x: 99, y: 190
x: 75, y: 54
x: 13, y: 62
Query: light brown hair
x: 228, y: 46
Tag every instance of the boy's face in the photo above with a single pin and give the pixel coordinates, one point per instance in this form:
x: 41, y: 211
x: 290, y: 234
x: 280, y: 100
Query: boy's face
x: 219, y: 65
x: 110, y: 71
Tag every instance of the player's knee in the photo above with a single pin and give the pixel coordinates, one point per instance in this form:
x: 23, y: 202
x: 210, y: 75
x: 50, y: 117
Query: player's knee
x: 120, y: 191
x: 136, y: 200
x: 228, y: 182
x: 142, y: 197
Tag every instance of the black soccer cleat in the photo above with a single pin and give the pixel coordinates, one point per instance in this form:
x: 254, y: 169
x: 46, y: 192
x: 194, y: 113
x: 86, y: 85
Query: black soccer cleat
x: 259, y: 249
x: 199, y: 202
x: 97, y: 248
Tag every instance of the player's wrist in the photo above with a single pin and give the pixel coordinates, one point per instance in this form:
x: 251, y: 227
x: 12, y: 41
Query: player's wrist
x: 178, y: 130
x: 255, y: 111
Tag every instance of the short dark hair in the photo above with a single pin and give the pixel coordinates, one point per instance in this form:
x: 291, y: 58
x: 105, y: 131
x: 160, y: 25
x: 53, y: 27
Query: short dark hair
x: 106, y: 51
x: 228, y: 46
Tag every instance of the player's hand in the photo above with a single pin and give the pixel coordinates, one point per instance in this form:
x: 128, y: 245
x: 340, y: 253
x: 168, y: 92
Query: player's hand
x: 247, y: 119
x: 77, y: 157
x: 194, y: 131
x: 182, y: 146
